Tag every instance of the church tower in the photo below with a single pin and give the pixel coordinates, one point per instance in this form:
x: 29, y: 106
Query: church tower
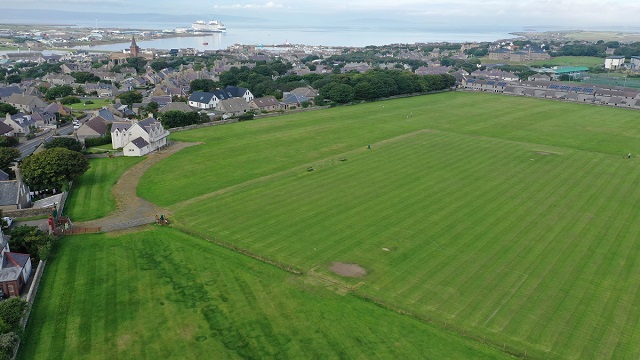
x: 134, y: 49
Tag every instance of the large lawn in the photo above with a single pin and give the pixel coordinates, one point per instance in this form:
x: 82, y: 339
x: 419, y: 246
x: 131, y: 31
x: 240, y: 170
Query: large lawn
x: 161, y: 294
x: 90, y: 196
x: 94, y: 105
x: 514, y: 219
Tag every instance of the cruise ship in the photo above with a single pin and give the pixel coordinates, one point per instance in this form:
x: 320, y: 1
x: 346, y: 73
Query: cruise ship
x: 211, y: 26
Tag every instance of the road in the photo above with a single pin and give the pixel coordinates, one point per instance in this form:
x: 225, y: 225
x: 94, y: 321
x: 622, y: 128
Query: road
x: 28, y: 147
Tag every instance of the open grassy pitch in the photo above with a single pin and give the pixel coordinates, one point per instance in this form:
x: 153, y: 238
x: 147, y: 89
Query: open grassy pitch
x: 514, y: 220
x: 161, y: 294
x: 90, y: 196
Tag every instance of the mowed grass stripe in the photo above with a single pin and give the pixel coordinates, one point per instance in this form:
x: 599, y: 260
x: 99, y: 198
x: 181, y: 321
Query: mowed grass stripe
x: 515, y: 210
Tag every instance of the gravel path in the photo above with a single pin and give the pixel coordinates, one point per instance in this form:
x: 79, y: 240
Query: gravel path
x: 131, y: 210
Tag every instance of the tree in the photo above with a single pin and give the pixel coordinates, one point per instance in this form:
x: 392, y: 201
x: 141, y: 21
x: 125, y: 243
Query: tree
x: 13, y: 79
x: 7, y: 108
x: 64, y: 142
x: 58, y: 91
x: 153, y: 107
x: 53, y: 168
x: 130, y: 97
x: 68, y: 100
x: 11, y: 311
x: 8, y: 342
x: 7, y: 156
x: 31, y: 240
x: 206, y: 85
x: 340, y: 93
x: 8, y: 141
x: 83, y: 77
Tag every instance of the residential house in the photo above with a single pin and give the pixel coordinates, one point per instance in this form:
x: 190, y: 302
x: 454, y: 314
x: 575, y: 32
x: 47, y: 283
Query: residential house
x: 14, y: 194
x: 59, y: 79
x: 5, y: 129
x: 44, y: 119
x: 613, y: 62
x: 176, y: 106
x: 233, y: 107
x: 24, y: 102
x: 306, y: 91
x: 203, y: 100
x: 7, y: 91
x: 635, y: 63
x: 15, y: 270
x: 236, y: 91
x: 138, y: 138
x: 21, y: 123
x: 57, y: 108
x: 3, y: 175
x: 101, y: 90
x: 95, y: 127
x: 267, y: 103
x: 292, y: 101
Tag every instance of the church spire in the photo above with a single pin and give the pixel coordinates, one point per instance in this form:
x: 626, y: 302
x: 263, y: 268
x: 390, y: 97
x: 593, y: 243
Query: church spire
x: 134, y: 49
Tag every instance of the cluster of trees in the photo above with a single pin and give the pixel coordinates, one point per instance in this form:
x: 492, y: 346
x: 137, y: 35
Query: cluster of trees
x: 59, y: 91
x: 83, y: 77
x: 8, y: 156
x: 28, y: 70
x: 11, y: 311
x: 8, y: 141
x: 469, y: 65
x: 53, y: 168
x: 136, y: 63
x: 174, y: 118
x: 130, y: 97
x: 31, y: 240
x: 64, y: 142
x: 598, y: 49
x: 376, y: 84
x: 7, y: 108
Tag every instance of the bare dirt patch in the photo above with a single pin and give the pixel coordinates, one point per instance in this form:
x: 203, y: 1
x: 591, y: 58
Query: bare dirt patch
x: 545, y: 153
x: 348, y: 270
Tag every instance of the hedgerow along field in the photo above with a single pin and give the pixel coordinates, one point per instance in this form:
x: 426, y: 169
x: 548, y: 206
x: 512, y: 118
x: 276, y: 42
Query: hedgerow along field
x: 161, y: 294
x: 512, y: 220
x: 90, y: 197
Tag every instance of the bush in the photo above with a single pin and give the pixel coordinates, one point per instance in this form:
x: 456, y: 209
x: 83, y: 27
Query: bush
x: 8, y: 342
x: 246, y: 116
x: 97, y: 141
x: 11, y: 311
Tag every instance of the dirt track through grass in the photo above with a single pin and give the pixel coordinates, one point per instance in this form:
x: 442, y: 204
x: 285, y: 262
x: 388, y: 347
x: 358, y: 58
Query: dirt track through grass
x: 131, y: 209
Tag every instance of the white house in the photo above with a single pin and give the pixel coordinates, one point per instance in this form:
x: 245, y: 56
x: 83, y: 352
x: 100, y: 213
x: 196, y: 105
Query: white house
x: 203, y: 100
x: 613, y: 62
x: 138, y: 138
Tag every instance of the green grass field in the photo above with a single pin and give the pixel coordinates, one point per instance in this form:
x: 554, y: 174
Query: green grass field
x: 90, y: 196
x: 511, y: 218
x: 512, y: 221
x: 97, y: 104
x: 161, y: 294
x: 588, y: 61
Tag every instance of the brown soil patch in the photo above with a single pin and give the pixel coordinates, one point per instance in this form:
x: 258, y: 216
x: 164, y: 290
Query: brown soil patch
x: 545, y: 153
x: 348, y: 270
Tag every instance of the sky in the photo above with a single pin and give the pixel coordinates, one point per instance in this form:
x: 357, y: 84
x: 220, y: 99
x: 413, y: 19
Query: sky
x: 579, y: 14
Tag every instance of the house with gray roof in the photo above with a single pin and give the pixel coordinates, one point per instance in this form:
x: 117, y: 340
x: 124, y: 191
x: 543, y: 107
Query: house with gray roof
x: 14, y: 194
x: 5, y: 130
x: 203, y: 100
x: 176, y: 106
x: 292, y: 101
x: 95, y: 127
x: 233, y: 106
x: 21, y: 123
x: 126, y: 135
x: 28, y: 103
x: 7, y: 91
x: 267, y: 103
